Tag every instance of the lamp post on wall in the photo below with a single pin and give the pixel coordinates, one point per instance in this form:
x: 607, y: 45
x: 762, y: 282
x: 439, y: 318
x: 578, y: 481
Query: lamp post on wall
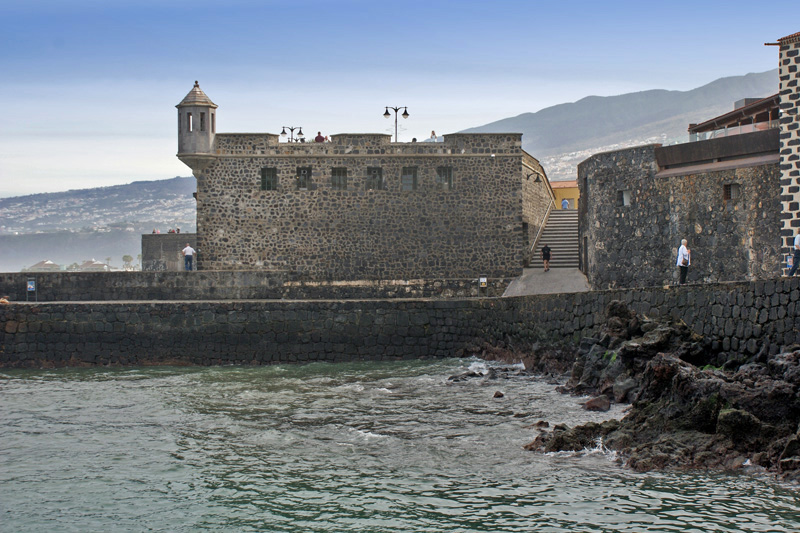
x: 396, y: 109
x: 291, y: 132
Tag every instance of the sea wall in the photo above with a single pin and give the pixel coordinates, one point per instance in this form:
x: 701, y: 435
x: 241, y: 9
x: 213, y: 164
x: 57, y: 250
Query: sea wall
x: 228, y: 285
x: 737, y: 318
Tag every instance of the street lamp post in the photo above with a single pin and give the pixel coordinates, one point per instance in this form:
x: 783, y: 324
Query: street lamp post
x: 291, y: 132
x: 396, y: 109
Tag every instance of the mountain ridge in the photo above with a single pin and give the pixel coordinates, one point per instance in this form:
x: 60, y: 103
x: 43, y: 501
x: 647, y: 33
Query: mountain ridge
x: 598, y: 122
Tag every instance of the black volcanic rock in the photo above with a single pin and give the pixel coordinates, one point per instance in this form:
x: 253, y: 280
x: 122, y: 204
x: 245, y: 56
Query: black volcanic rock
x: 682, y: 416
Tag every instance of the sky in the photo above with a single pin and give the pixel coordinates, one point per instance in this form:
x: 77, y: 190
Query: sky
x: 89, y: 87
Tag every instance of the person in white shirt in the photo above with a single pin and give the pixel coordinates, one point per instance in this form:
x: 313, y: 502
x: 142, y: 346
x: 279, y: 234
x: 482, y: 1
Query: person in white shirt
x: 684, y: 260
x: 796, y: 259
x: 188, y: 256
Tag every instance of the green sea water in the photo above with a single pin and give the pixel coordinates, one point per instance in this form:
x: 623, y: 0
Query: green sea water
x: 367, y: 447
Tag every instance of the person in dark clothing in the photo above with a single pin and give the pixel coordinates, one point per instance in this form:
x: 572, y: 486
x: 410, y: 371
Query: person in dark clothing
x: 546, y: 257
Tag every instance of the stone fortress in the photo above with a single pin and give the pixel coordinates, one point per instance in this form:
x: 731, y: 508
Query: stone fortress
x: 361, y: 207
x: 733, y: 193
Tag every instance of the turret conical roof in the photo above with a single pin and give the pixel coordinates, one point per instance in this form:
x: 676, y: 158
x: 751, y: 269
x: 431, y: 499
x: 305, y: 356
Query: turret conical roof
x: 196, y: 97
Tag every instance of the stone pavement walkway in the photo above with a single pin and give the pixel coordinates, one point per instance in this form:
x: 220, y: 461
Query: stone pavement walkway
x: 556, y: 280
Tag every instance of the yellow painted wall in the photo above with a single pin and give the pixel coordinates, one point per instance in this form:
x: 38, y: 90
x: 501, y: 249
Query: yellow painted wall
x: 570, y: 193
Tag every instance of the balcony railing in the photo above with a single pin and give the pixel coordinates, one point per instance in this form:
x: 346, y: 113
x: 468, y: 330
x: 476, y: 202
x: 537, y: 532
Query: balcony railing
x: 724, y: 132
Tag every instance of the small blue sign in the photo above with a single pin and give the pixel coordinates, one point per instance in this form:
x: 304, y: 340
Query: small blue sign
x: 31, y: 285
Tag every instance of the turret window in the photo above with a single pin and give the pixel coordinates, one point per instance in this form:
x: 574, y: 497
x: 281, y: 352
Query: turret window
x: 202, y: 122
x: 213, y: 123
x: 189, y: 122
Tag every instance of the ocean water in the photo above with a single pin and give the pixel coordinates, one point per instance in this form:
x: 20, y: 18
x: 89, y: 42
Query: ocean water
x: 367, y: 447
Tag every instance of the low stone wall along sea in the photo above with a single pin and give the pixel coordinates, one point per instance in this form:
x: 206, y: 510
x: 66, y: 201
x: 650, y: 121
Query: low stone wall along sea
x: 737, y: 318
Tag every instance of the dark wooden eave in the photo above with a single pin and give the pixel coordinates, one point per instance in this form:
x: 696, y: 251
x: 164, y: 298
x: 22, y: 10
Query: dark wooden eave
x: 743, y: 115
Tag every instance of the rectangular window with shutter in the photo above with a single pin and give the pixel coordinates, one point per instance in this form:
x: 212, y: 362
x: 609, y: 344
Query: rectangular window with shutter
x: 444, y: 178
x: 374, y: 181
x: 408, y: 179
x: 339, y: 178
x: 304, y: 179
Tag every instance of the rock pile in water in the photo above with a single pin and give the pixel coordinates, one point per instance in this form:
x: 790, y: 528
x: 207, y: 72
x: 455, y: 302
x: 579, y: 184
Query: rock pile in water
x: 685, y: 413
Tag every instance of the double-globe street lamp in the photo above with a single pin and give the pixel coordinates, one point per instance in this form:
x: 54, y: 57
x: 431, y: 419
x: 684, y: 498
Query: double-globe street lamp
x: 396, y: 109
x: 291, y: 129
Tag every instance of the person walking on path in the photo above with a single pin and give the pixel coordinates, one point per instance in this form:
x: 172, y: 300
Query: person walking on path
x: 684, y: 260
x: 564, y: 204
x: 188, y: 256
x: 546, y: 257
x: 796, y: 259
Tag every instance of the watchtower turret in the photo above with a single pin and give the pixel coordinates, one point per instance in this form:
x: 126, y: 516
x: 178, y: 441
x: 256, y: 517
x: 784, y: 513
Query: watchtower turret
x: 197, y: 123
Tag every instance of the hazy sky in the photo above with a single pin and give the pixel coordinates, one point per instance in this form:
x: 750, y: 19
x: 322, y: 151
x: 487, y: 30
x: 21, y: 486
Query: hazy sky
x: 89, y: 87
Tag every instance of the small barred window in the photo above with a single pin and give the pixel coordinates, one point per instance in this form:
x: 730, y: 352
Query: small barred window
x: 444, y: 178
x: 374, y: 181
x: 304, y: 179
x: 339, y: 178
x: 408, y: 179
x: 269, y: 179
x: 730, y: 191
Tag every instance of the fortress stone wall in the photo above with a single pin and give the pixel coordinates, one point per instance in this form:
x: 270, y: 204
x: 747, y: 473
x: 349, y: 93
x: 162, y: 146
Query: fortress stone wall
x: 736, y: 318
x: 471, y: 226
x: 633, y: 217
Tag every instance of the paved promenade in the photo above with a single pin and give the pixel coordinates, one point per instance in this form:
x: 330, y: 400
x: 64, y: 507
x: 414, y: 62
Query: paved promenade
x: 556, y: 280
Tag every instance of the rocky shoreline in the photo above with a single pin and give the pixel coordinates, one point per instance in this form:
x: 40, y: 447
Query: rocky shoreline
x: 692, y: 406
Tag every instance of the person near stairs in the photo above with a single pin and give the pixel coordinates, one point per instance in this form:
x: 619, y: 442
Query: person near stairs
x: 564, y: 204
x: 546, y: 257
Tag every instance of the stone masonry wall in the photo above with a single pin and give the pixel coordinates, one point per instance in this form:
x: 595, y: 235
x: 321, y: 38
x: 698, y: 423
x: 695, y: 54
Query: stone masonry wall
x: 537, y: 197
x: 327, y: 234
x: 738, y: 318
x: 228, y: 285
x: 162, y: 251
x: 789, y: 69
x: 636, y: 245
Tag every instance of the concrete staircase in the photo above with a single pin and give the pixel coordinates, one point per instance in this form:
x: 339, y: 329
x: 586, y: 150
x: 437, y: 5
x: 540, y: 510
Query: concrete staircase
x: 561, y: 234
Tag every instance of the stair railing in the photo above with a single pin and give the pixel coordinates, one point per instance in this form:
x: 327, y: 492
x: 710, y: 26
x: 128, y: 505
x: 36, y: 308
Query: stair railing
x: 541, y: 227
